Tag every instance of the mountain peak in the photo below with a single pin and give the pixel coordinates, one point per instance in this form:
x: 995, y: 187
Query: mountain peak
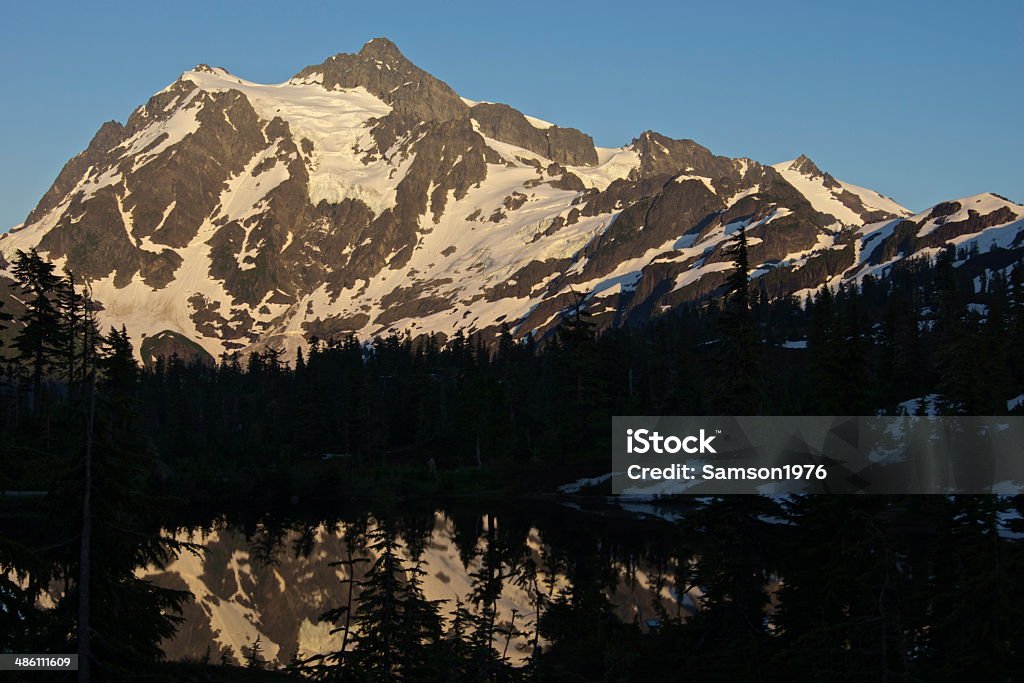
x: 847, y: 203
x: 384, y: 71
x: 804, y: 165
x: 650, y: 135
x: 382, y: 49
x: 218, y: 71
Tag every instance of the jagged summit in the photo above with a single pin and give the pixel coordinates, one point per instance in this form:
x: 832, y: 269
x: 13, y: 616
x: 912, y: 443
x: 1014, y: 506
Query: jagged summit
x: 849, y: 204
x: 383, y: 50
x: 366, y: 196
x: 384, y: 71
x: 804, y: 165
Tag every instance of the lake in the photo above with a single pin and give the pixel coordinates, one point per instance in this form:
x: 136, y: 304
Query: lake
x: 271, y: 576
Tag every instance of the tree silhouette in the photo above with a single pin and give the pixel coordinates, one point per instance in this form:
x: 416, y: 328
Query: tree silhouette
x: 39, y: 339
x: 739, y: 373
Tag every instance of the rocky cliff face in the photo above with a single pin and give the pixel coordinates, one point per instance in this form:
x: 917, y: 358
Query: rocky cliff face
x: 365, y: 196
x: 383, y: 71
x: 562, y: 145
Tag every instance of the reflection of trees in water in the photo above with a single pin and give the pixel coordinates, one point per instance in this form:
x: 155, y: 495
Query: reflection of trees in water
x: 497, y: 566
x: 863, y: 588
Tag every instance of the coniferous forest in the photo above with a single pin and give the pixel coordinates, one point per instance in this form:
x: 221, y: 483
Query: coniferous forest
x: 376, y: 436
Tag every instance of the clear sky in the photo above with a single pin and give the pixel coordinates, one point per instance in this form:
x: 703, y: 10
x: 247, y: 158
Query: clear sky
x: 922, y: 101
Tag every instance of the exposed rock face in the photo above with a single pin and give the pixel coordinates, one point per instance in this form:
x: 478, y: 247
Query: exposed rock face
x: 660, y: 156
x: 107, y: 137
x: 384, y: 71
x: 945, y: 223
x: 133, y: 205
x: 564, y: 145
x: 502, y: 122
x: 171, y: 344
x: 365, y: 196
x: 449, y: 158
x: 802, y: 164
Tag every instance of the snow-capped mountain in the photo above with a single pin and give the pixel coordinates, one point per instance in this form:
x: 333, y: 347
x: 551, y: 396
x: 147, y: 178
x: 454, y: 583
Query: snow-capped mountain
x: 365, y: 196
x: 849, y: 204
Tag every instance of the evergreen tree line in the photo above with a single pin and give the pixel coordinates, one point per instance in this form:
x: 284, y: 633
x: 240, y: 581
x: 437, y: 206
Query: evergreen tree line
x: 927, y: 329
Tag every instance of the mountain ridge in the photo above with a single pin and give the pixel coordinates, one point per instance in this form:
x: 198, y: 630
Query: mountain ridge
x: 365, y: 196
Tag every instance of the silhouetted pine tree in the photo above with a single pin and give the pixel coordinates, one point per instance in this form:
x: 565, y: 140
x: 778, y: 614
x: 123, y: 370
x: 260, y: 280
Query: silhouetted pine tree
x: 4, y: 319
x: 973, y: 624
x: 71, y: 307
x: 479, y: 615
x: 734, y: 570
x: 848, y: 595
x: 254, y: 655
x: 22, y: 624
x: 859, y: 396
x: 39, y: 340
x: 394, y: 627
x: 902, y: 358
x: 825, y: 373
x: 338, y: 664
x: 1016, y: 324
x: 581, y: 390
x: 102, y: 504
x: 955, y: 340
x: 738, y: 358
x: 995, y: 375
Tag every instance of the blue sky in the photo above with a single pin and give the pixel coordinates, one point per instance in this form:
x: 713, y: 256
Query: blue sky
x: 922, y: 101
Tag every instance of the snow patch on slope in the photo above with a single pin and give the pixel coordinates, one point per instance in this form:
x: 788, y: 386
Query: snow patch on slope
x: 480, y: 254
x: 612, y: 165
x: 981, y: 204
x: 149, y: 142
x: 242, y: 197
x: 336, y: 122
x: 825, y: 200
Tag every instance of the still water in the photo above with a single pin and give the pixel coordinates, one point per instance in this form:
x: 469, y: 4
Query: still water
x: 271, y: 576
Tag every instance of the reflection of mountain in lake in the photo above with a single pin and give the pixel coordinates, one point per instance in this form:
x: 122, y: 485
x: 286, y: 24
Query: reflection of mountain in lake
x: 274, y: 584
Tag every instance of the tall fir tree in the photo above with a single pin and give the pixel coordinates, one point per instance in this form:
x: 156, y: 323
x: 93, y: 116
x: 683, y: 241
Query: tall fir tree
x: 955, y: 339
x: 393, y: 629
x: 5, y: 318
x: 739, y: 368
x: 39, y: 341
x: 120, y: 616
